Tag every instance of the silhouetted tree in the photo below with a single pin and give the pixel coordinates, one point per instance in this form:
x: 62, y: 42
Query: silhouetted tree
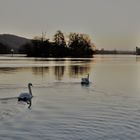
x: 4, y: 49
x: 60, y: 48
x: 26, y: 49
x: 80, y: 45
x: 59, y: 39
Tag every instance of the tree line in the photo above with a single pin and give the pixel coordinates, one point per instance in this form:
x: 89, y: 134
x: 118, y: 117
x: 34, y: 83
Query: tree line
x: 4, y: 49
x: 72, y: 45
x: 78, y: 45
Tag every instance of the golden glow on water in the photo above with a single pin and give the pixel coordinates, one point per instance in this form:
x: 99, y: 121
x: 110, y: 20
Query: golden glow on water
x: 33, y: 70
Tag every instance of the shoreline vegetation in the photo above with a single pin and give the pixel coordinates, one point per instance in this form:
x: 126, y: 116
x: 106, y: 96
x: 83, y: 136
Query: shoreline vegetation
x: 74, y: 45
x: 77, y: 45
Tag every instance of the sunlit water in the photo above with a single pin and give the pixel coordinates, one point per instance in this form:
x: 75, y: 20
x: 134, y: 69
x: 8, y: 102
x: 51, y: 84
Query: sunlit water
x: 62, y: 109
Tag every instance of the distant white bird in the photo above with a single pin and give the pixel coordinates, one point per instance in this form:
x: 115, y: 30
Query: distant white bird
x: 26, y: 97
x: 85, y: 81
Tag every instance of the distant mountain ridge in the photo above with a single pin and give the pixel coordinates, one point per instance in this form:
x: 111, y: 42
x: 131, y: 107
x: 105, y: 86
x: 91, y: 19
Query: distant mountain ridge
x: 13, y: 41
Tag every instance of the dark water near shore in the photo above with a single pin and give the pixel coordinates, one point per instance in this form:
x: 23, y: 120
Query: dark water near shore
x: 62, y: 109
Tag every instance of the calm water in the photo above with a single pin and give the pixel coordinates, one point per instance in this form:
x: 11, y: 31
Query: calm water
x: 62, y: 109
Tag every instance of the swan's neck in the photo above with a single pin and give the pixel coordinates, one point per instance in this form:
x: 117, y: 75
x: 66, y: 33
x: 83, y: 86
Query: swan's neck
x: 30, y: 91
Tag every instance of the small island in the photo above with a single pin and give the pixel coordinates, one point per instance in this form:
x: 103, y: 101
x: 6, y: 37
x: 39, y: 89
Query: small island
x: 77, y: 45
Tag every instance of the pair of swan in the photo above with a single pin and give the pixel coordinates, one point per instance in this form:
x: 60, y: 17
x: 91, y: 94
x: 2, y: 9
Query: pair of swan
x: 85, y: 81
x: 26, y: 97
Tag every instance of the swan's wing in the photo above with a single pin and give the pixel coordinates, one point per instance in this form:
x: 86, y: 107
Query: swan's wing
x: 25, y: 95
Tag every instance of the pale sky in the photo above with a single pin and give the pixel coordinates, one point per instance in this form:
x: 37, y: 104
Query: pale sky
x: 111, y: 24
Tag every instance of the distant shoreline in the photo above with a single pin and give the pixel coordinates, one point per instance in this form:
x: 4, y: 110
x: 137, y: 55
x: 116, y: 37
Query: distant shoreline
x: 115, y: 52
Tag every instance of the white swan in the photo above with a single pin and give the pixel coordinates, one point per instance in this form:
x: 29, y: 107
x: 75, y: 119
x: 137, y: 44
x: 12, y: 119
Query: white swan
x: 85, y: 81
x: 26, y: 97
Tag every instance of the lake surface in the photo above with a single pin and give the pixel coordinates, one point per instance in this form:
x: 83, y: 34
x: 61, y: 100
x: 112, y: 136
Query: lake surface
x: 62, y: 109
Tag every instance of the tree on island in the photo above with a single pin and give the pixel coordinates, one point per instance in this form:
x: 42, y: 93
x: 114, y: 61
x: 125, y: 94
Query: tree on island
x: 78, y: 45
x: 60, y: 47
x: 59, y: 39
x: 39, y: 47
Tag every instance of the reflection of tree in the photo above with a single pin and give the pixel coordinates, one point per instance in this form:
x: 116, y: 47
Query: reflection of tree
x: 70, y: 66
x: 79, y: 70
x: 73, y: 70
x: 59, y: 72
x: 137, y: 58
x: 81, y: 60
x: 82, y: 69
x: 40, y: 70
x: 56, y: 68
x: 8, y: 70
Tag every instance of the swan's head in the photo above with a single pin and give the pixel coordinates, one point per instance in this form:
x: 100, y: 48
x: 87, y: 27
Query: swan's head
x: 30, y: 84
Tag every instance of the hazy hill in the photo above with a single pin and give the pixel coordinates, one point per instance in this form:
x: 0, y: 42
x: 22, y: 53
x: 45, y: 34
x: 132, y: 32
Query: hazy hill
x: 13, y: 41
